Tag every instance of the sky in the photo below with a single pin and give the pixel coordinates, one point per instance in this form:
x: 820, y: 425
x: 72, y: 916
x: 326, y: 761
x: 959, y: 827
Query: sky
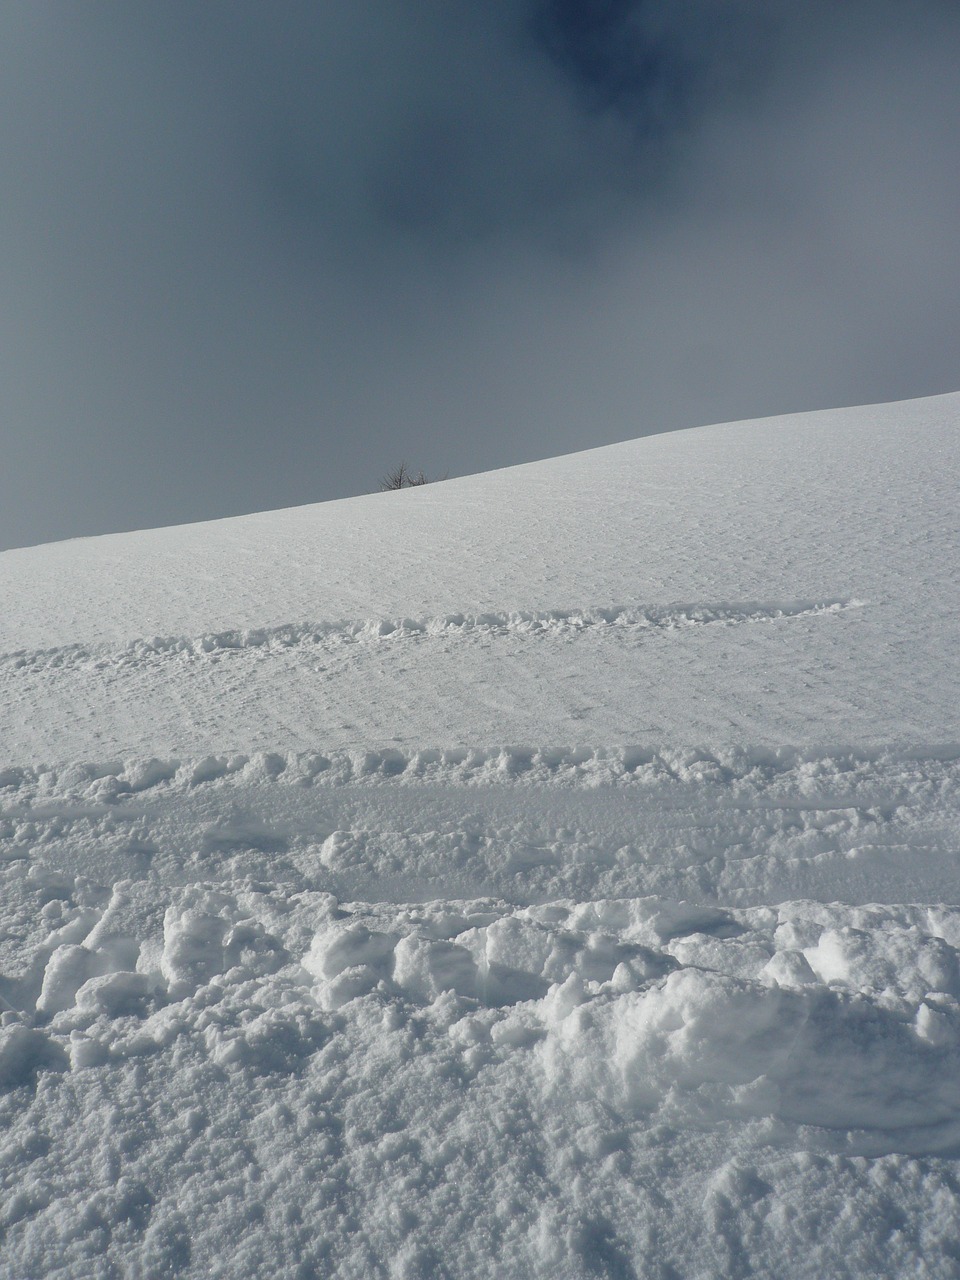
x: 255, y: 255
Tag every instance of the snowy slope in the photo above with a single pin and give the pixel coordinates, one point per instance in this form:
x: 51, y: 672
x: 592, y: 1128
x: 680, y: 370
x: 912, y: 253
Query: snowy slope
x: 548, y: 873
x: 809, y: 562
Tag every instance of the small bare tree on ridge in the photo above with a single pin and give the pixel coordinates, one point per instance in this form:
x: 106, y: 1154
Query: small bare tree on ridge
x: 401, y: 477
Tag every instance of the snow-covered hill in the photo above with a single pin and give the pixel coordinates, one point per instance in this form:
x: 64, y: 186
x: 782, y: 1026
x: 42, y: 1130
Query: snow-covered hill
x: 550, y: 872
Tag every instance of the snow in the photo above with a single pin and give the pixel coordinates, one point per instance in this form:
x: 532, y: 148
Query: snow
x: 550, y: 873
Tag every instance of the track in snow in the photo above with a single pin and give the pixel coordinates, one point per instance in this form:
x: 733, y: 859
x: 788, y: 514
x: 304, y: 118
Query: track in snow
x: 673, y: 674
x: 332, y: 635
x: 732, y: 827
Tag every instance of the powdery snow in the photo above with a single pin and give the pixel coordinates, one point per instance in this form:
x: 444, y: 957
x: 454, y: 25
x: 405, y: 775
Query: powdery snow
x: 549, y: 873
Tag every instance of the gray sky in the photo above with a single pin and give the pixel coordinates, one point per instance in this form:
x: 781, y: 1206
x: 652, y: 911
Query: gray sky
x: 253, y: 255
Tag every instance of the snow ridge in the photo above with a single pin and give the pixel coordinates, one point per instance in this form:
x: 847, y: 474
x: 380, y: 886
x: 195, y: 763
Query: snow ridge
x: 372, y: 630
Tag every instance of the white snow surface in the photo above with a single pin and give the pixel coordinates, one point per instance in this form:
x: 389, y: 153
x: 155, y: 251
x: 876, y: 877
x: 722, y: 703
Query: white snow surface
x: 547, y: 873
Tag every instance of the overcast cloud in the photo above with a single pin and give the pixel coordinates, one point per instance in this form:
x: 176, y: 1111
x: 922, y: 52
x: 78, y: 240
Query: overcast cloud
x: 254, y: 255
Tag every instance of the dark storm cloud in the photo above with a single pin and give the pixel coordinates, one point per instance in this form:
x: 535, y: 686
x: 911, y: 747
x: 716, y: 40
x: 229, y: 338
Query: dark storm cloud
x: 252, y: 255
x: 653, y: 64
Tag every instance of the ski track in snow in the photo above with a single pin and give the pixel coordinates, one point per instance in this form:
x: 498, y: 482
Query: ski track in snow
x: 606, y: 674
x: 332, y: 635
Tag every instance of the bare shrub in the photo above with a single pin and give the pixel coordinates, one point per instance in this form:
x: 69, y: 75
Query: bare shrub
x: 401, y: 477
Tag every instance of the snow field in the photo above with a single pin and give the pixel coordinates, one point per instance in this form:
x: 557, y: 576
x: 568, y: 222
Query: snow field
x: 379, y: 898
x: 466, y: 1075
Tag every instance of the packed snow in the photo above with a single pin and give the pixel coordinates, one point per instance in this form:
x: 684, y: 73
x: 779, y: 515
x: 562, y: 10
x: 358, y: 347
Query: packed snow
x: 548, y: 873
